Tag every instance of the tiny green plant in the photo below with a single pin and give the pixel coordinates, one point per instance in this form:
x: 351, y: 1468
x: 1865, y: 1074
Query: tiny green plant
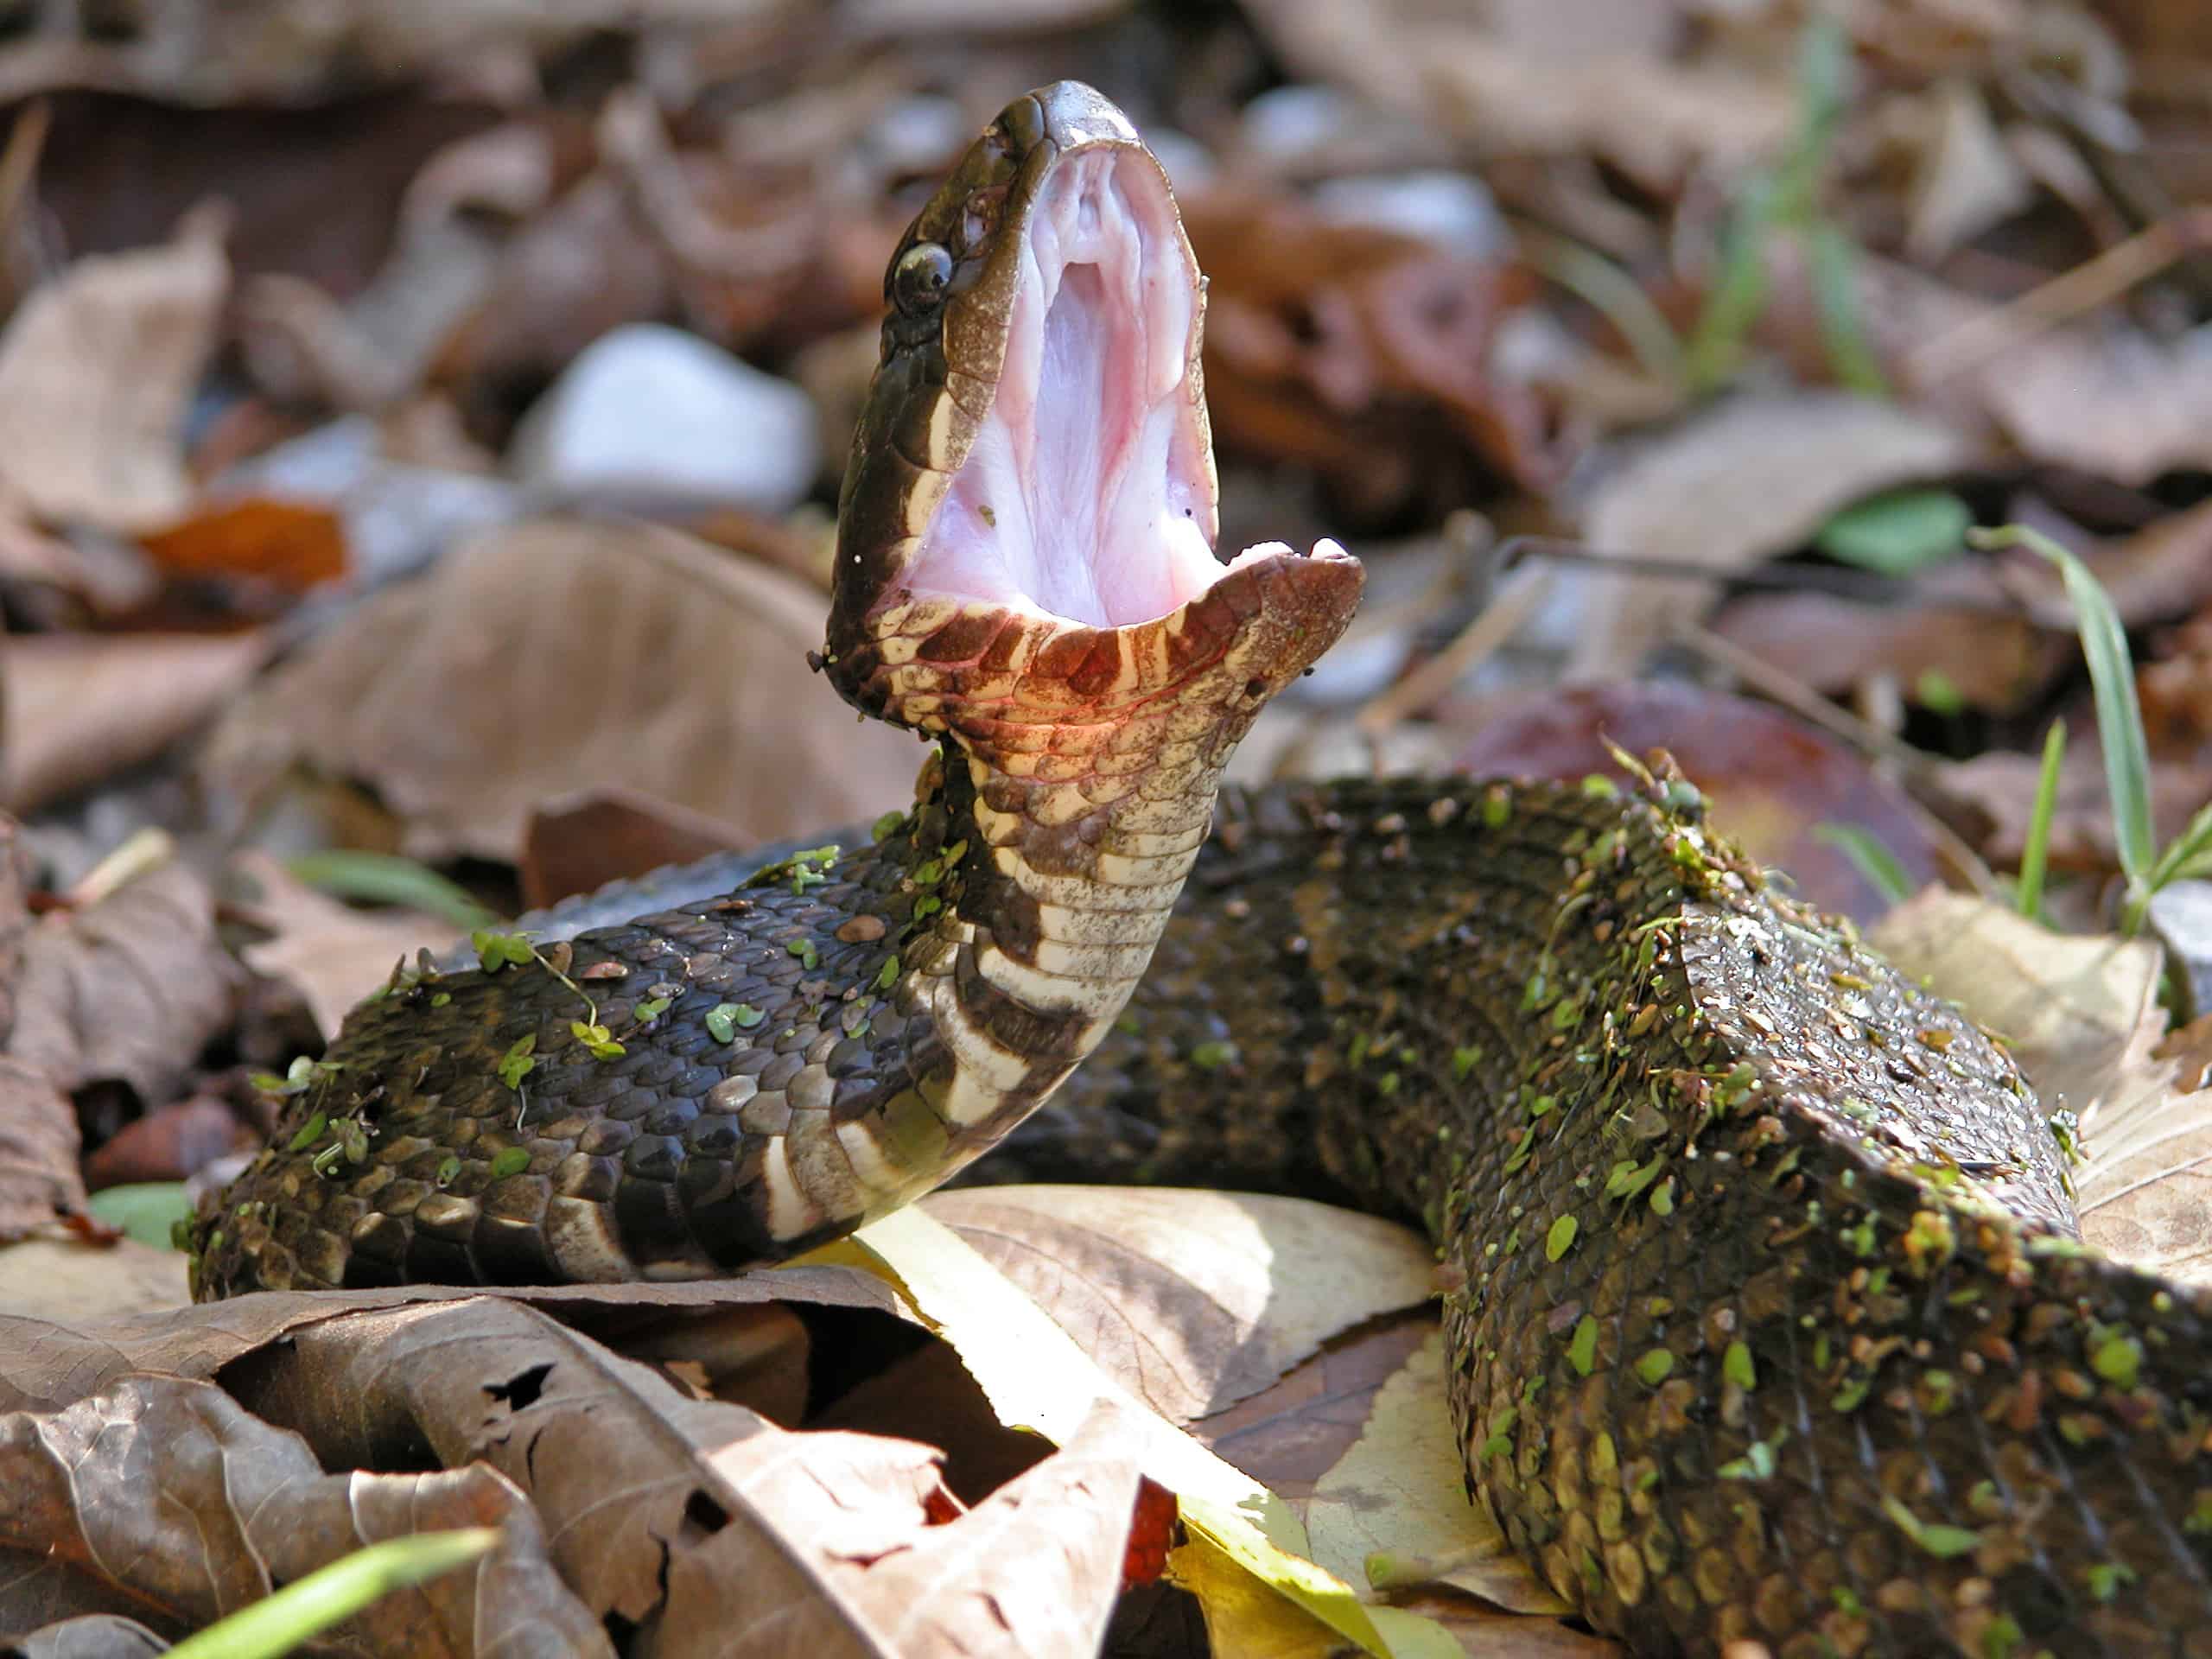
x: 2035, y: 856
x: 2119, y: 720
x: 1786, y: 198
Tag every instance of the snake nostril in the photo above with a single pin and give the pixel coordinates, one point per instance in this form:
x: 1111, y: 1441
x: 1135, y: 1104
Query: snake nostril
x: 1255, y: 689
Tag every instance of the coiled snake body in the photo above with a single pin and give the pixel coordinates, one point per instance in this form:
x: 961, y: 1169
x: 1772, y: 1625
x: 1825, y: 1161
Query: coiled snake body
x: 1767, y: 1322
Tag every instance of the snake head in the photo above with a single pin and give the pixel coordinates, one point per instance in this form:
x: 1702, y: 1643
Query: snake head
x: 1025, y: 534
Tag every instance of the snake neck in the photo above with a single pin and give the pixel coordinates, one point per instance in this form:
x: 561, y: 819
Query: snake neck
x: 1052, y: 893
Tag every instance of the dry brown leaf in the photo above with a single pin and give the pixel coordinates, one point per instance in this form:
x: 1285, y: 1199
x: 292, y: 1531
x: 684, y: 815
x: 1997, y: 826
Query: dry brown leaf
x: 581, y: 842
x: 724, y: 1532
x: 82, y: 706
x: 2001, y: 783
x: 2083, y: 1016
x: 1997, y: 662
x: 128, y: 989
x: 1736, y: 483
x: 164, y: 1499
x: 1191, y: 1301
x: 332, y: 954
x: 95, y: 373
x: 47, y: 1363
x: 38, y: 1177
x: 1965, y: 180
x: 560, y: 655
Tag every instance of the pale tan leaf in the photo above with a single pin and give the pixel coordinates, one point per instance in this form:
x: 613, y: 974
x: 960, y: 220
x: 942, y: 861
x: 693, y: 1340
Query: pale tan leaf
x: 72, y: 1281
x: 332, y: 953
x: 1394, y: 1510
x: 1739, y: 482
x: 82, y: 706
x: 1191, y: 1301
x: 547, y: 657
x: 95, y: 369
x: 2083, y: 1016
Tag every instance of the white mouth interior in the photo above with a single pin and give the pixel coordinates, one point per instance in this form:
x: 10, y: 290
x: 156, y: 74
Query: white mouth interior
x: 1086, y: 494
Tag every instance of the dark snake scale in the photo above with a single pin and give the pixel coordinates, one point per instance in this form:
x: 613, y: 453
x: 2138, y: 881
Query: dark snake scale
x: 1769, y: 1323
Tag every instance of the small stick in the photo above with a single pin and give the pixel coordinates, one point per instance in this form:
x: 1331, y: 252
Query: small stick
x: 2093, y: 284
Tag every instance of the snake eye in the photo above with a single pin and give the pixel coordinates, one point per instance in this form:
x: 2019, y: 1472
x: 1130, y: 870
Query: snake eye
x: 918, y: 280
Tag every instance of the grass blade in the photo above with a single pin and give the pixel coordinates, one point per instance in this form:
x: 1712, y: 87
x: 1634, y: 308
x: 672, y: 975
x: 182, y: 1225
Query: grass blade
x: 280, y: 1622
x: 1869, y: 858
x: 2035, y: 856
x: 2119, y: 718
x: 387, y: 879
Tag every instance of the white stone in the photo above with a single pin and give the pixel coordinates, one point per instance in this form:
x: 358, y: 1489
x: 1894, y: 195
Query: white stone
x: 651, y: 419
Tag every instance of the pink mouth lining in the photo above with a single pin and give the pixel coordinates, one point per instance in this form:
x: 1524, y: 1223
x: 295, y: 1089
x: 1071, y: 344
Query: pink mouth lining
x: 1088, y: 493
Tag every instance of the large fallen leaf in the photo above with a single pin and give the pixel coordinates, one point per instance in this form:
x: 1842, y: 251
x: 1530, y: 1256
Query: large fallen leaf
x: 561, y: 655
x: 1778, y: 784
x: 96, y: 371
x: 2083, y: 1016
x: 1191, y: 1301
x: 1036, y: 1377
x: 1739, y: 482
x: 164, y: 1499
x: 45, y: 1363
x: 722, y: 1532
x: 81, y: 707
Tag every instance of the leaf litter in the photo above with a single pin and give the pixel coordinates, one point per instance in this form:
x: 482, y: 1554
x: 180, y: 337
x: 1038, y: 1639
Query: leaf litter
x: 1481, y: 266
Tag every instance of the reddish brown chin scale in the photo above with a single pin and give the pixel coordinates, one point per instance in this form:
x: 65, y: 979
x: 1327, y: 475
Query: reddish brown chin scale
x: 975, y: 670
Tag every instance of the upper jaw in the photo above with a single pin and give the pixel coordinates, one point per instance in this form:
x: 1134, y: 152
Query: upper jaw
x: 1084, y: 487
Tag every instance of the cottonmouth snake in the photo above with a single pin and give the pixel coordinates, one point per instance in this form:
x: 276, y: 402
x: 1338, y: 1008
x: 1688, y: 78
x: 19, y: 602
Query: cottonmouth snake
x: 1769, y: 1323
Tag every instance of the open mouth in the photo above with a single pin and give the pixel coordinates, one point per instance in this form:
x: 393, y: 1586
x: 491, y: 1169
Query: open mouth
x: 1087, y: 493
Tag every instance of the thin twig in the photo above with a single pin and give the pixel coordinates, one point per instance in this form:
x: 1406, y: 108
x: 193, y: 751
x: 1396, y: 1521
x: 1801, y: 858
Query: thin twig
x: 2072, y: 294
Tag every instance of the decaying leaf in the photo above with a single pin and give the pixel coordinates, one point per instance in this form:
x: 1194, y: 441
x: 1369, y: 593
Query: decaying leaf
x: 1191, y: 1301
x: 1734, y: 483
x: 560, y: 655
x: 164, y: 1499
x: 81, y: 707
x: 723, y: 1531
x: 95, y: 373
